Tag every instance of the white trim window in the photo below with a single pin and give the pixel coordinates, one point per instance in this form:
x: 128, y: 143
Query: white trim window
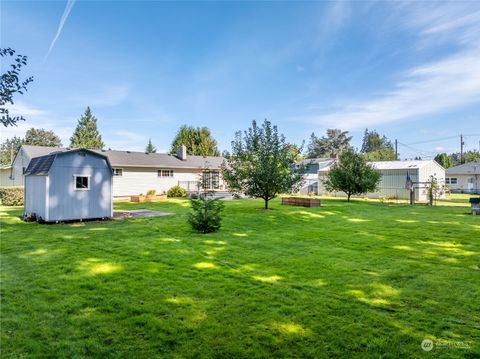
x: 81, y: 183
x: 453, y: 180
x: 118, y: 172
x: 165, y: 173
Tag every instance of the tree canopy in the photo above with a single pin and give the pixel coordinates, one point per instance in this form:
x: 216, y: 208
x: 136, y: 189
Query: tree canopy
x: 376, y: 147
x: 11, y: 85
x: 335, y: 142
x: 261, y: 164
x: 41, y: 137
x: 352, y: 175
x: 8, y: 149
x: 198, y: 140
x: 150, y: 147
x: 86, y: 134
x: 444, y: 160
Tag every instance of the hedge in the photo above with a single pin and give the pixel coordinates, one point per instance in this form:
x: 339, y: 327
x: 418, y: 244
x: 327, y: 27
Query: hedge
x: 11, y: 196
x: 176, y: 191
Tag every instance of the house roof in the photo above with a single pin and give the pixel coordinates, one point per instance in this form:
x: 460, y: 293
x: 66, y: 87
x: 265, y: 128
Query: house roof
x: 465, y: 169
x: 136, y: 159
x: 400, y: 165
x: 40, y: 166
x: 142, y: 159
x: 37, y: 151
x: 313, y: 161
x: 393, y: 165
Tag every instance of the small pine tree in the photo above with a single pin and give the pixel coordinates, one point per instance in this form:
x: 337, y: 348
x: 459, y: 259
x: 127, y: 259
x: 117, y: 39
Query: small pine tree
x: 86, y: 134
x: 205, y: 216
x: 150, y: 147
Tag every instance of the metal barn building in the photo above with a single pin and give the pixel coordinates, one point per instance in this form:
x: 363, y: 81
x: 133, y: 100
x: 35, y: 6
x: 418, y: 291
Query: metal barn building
x: 69, y: 185
x: 394, y: 176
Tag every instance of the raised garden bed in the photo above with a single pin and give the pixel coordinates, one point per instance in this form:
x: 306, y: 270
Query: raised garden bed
x: 300, y: 201
x: 154, y: 198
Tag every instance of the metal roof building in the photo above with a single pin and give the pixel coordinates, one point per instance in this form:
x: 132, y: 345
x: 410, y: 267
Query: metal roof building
x: 394, y: 175
x: 69, y: 185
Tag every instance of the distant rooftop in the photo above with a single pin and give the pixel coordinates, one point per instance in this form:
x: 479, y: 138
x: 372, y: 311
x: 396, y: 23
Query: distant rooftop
x: 465, y: 169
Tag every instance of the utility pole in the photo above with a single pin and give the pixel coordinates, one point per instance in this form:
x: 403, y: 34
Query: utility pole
x: 396, y: 149
x: 461, y: 149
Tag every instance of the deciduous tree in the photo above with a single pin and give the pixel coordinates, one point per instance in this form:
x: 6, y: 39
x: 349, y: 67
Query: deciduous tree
x: 11, y: 85
x: 199, y: 141
x: 261, y: 164
x: 352, y: 175
x: 41, y: 137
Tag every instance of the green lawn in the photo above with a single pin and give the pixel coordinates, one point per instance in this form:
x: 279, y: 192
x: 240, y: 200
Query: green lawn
x: 361, y: 279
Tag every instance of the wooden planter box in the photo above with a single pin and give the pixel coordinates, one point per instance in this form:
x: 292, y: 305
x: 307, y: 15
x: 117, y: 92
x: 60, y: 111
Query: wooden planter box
x: 299, y: 201
x: 155, y: 198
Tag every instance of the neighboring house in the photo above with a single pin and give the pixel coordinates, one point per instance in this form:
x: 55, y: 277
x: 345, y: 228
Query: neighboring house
x: 69, y: 185
x: 137, y: 172
x: 312, y: 165
x: 464, y: 178
x: 394, y: 176
x: 12, y: 175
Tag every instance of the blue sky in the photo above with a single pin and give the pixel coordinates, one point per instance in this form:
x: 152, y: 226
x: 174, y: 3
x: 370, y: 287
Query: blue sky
x: 410, y: 70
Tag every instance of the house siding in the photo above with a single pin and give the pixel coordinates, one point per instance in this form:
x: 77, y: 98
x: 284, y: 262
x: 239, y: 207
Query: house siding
x: 137, y: 180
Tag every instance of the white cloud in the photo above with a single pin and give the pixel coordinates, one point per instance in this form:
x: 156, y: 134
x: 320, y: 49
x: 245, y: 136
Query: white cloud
x: 20, y: 108
x: 64, y: 18
x: 428, y: 89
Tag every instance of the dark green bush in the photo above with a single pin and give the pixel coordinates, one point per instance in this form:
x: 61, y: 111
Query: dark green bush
x: 11, y: 196
x: 205, y: 216
x: 176, y: 191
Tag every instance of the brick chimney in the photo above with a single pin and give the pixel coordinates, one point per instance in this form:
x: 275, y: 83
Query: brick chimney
x: 182, y: 152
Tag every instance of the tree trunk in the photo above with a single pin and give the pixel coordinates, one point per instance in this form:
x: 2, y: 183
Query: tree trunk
x: 266, y: 203
x: 348, y: 197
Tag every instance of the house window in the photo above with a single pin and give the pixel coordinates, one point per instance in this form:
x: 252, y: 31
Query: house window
x: 453, y: 180
x: 470, y: 180
x: 211, y: 180
x: 165, y: 173
x: 118, y: 171
x: 82, y: 183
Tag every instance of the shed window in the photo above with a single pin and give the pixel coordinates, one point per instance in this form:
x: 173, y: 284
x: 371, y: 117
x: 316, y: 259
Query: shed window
x: 118, y: 171
x: 82, y: 183
x: 165, y: 173
x: 453, y: 180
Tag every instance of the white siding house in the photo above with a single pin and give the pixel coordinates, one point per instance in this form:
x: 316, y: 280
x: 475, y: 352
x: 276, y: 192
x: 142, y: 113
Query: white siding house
x: 394, y: 175
x: 135, y: 173
x: 464, y: 178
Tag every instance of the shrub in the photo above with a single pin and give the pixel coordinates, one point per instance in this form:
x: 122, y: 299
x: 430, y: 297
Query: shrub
x: 151, y: 192
x: 176, y: 191
x: 11, y: 196
x: 205, y: 215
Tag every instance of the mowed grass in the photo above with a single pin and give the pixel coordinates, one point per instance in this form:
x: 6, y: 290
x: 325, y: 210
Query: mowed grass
x: 362, y: 279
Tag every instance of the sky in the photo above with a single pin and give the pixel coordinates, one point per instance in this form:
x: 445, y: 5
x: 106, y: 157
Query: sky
x: 410, y: 70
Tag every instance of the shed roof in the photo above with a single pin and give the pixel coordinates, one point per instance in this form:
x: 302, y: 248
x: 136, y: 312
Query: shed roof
x: 40, y: 166
x: 137, y: 159
x: 465, y: 169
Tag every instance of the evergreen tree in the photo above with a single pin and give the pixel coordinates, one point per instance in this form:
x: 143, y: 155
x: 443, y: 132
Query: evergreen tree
x: 8, y: 149
x: 444, y: 160
x: 261, y: 164
x: 331, y: 145
x: 86, y: 134
x: 41, y: 137
x: 376, y: 147
x: 199, y: 141
x: 150, y: 147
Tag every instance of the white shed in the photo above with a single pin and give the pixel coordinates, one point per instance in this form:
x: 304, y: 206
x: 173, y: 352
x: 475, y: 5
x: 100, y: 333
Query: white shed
x: 394, y: 176
x: 69, y: 185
